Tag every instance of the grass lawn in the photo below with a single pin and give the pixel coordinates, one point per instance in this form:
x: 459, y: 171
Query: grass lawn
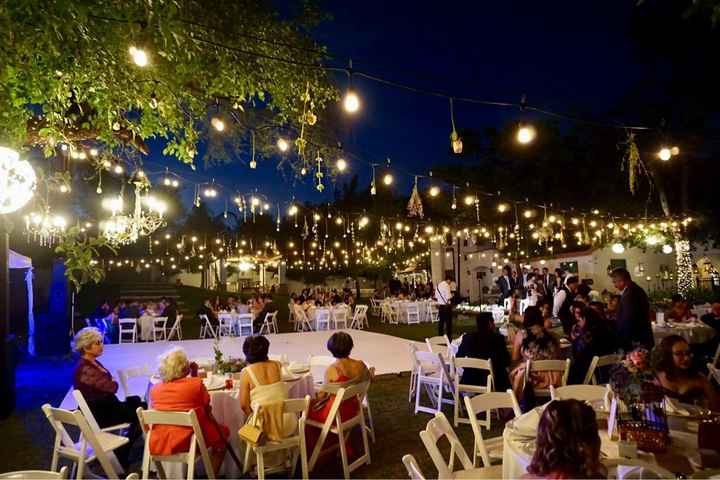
x: 29, y: 436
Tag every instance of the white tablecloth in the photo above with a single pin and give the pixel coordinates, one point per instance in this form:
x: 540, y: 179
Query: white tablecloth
x: 400, y: 306
x: 226, y: 409
x: 694, y: 333
x: 519, y: 444
x: 146, y: 324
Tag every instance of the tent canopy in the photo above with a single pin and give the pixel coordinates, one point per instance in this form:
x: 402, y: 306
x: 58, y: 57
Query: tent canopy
x: 19, y: 261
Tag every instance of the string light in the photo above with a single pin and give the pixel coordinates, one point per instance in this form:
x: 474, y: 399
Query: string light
x: 664, y: 154
x: 218, y: 124
x: 283, y: 145
x: 388, y: 179
x: 526, y: 134
x: 469, y: 200
x: 618, y: 248
x: 434, y: 191
x: 341, y: 164
x: 351, y: 102
x: 502, y: 208
x: 119, y: 169
x: 139, y: 56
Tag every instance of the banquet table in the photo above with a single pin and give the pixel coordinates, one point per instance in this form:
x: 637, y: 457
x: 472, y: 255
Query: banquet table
x: 693, y: 332
x: 519, y: 439
x: 226, y: 409
x: 400, y: 307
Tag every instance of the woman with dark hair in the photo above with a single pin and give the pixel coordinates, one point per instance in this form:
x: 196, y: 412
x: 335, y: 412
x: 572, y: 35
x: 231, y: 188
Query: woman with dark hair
x: 567, y: 444
x: 261, y: 381
x: 679, y: 378
x: 485, y: 343
x: 534, y: 342
x: 344, y: 372
x: 590, y: 337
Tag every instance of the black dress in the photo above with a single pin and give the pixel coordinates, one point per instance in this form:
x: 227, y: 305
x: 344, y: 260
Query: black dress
x: 486, y: 346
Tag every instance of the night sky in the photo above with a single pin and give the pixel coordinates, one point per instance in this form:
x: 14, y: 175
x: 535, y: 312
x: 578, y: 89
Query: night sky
x: 564, y: 55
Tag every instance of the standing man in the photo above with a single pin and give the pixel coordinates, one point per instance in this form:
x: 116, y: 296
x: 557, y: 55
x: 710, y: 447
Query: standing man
x: 633, y: 312
x: 548, y: 282
x: 563, y: 301
x: 505, y: 284
x: 443, y: 296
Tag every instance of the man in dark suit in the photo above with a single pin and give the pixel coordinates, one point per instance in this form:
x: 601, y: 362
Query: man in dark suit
x: 505, y: 283
x: 268, y: 307
x: 633, y: 312
x: 547, y: 280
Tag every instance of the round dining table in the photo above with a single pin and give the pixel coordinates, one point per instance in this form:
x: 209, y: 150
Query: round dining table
x: 694, y: 332
x: 519, y: 440
x: 225, y: 404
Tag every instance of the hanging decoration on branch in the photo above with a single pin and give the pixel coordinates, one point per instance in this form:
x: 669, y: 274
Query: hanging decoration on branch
x: 455, y: 140
x: 318, y: 173
x: 126, y: 229
x: 45, y: 228
x: 415, y: 206
x: 17, y: 181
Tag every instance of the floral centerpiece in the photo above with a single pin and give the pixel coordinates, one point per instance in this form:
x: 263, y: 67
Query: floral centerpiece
x: 229, y: 365
x: 641, y: 408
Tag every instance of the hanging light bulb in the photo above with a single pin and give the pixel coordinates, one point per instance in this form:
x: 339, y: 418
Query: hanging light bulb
x: 502, y: 208
x: 618, y: 248
x: 341, y: 164
x: 283, y: 144
x: 119, y: 169
x: 293, y: 210
x: 526, y: 134
x: 469, y: 200
x: 218, y: 124
x: 667, y: 249
x: 351, y: 102
x: 664, y: 154
x: 434, y: 191
x: 303, y: 171
x: 139, y: 56
x: 167, y: 182
x: 388, y: 179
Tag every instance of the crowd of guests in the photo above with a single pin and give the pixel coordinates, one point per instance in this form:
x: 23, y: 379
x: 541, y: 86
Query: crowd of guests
x: 181, y: 390
x: 591, y: 328
x: 106, y: 316
x: 258, y: 306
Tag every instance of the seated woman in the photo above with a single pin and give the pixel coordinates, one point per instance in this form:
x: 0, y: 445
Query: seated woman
x: 98, y: 388
x: 344, y: 372
x: 567, y: 444
x: 546, y: 309
x: 180, y: 393
x: 534, y: 343
x: 208, y: 310
x: 485, y: 343
x: 680, y: 310
x: 678, y: 377
x: 590, y: 337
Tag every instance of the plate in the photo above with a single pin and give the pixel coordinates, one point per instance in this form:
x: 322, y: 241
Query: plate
x: 298, y: 368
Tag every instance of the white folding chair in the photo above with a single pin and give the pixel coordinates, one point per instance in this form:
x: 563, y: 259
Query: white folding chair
x: 268, y: 326
x: 390, y: 313
x: 127, y: 327
x: 439, y: 344
x: 226, y: 325
x: 413, y: 313
x: 293, y: 445
x: 438, y: 428
x: 434, y: 312
x: 90, y: 418
x: 176, y: 329
x: 486, y: 403
x: 302, y: 323
x: 206, y: 328
x: 560, y: 366
x: 343, y: 428
x: 413, y: 469
x: 470, y: 363
x: 159, y: 329
x: 600, y: 362
x: 632, y: 468
x: 291, y: 313
x: 245, y: 324
x: 434, y: 376
x: 318, y: 364
x: 360, y: 319
x: 375, y: 306
x: 149, y: 418
x: 583, y: 393
x: 127, y: 374
x: 523, y: 305
x: 90, y: 446
x: 322, y: 319
x: 339, y: 316
x: 36, y: 475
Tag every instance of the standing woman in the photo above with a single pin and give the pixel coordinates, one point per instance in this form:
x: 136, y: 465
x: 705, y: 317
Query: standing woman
x: 98, y: 388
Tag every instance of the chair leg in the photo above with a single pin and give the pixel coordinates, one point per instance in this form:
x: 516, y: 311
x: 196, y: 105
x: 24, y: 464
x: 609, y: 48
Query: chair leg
x: 343, y: 453
x: 246, y: 462
x: 417, y: 394
x: 260, y: 458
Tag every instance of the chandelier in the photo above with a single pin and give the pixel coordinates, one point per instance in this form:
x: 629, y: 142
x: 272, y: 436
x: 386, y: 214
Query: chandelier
x: 123, y: 229
x: 45, y: 228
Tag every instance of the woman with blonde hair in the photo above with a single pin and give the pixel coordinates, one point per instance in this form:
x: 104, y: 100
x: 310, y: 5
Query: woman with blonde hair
x: 179, y: 392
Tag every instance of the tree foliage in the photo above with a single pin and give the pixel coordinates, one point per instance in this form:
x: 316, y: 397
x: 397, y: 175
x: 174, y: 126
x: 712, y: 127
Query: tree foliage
x: 66, y: 73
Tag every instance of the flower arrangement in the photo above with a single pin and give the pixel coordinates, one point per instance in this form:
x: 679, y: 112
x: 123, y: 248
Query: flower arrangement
x: 632, y: 380
x: 229, y: 365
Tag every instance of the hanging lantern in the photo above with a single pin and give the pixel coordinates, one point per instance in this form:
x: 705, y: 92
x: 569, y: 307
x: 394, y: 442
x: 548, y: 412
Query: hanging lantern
x: 17, y: 181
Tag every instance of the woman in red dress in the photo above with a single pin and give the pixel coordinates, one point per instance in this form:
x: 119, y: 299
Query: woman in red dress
x: 180, y: 393
x: 343, y: 373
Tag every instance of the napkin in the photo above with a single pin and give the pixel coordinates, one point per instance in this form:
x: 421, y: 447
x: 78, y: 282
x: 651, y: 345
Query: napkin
x: 526, y: 425
x: 674, y: 407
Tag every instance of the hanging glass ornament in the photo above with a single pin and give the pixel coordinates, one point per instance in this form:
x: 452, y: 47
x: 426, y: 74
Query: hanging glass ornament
x: 415, y: 207
x: 318, y: 173
x: 253, y: 163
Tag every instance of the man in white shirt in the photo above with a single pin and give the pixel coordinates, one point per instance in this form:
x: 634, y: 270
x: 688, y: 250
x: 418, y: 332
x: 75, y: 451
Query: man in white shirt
x: 443, y: 296
x: 563, y: 300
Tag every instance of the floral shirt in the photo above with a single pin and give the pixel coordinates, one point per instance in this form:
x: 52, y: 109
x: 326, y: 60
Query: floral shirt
x: 93, y: 380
